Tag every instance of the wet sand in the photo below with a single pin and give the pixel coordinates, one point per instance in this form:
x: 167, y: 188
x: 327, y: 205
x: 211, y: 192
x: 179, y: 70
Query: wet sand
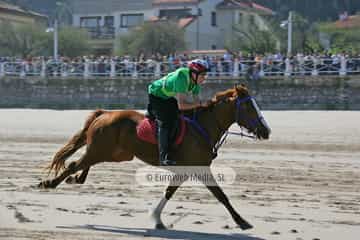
x: 302, y: 184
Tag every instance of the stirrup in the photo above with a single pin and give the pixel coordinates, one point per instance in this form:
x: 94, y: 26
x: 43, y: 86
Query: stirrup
x: 167, y: 162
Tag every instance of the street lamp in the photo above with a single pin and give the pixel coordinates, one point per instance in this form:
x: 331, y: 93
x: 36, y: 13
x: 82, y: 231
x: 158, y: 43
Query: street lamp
x: 56, y: 39
x: 288, y: 23
x: 55, y: 28
x: 198, y: 26
x: 55, y: 31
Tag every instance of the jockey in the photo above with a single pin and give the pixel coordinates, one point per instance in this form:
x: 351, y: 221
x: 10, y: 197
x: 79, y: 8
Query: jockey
x: 164, y: 107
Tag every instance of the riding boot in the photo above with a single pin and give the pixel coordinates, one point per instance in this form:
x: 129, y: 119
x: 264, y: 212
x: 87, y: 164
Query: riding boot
x: 163, y: 138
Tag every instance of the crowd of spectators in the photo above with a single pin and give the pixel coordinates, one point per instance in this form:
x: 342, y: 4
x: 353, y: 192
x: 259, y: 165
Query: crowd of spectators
x: 251, y: 65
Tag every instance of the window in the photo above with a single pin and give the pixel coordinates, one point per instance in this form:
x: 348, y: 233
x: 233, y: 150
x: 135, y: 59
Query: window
x: 213, y: 47
x: 252, y: 20
x: 240, y: 17
x: 109, y: 21
x: 213, y: 19
x: 131, y: 20
x: 174, y: 13
x: 89, y: 22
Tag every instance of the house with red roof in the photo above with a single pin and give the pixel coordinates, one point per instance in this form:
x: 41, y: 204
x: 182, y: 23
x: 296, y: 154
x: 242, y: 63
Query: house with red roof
x: 207, y: 23
x: 348, y: 22
x: 345, y: 24
x: 14, y: 14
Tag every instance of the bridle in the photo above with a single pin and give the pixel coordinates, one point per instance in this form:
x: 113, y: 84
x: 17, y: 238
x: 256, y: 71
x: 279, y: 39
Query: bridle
x: 252, y: 123
x: 238, y: 118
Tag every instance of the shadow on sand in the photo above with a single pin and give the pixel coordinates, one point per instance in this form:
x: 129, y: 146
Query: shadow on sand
x: 169, y: 234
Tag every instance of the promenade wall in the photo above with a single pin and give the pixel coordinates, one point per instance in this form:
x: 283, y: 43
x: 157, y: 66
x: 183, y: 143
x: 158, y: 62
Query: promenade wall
x: 272, y: 93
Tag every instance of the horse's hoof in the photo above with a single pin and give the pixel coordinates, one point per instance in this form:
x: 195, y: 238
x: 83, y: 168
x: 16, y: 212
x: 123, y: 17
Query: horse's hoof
x: 71, y: 180
x: 245, y: 226
x: 160, y: 226
x: 45, y: 184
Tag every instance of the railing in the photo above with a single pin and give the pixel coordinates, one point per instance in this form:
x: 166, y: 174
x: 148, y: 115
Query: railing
x: 106, y: 32
x: 151, y: 69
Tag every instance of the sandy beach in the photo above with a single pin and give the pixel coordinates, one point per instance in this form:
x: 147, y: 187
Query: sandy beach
x: 302, y: 184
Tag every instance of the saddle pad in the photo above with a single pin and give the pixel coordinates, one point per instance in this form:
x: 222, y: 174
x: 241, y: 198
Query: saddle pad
x: 146, y: 131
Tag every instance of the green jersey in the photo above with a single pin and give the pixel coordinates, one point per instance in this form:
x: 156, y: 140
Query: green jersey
x: 175, y: 82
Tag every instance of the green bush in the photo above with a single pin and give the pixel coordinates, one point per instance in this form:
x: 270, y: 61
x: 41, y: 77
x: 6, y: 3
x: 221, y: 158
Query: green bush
x: 152, y: 38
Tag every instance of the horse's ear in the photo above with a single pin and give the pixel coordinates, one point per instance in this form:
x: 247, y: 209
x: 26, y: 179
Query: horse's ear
x: 239, y: 86
x: 242, y: 90
x: 224, y: 95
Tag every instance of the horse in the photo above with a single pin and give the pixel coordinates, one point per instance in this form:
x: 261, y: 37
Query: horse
x: 110, y: 136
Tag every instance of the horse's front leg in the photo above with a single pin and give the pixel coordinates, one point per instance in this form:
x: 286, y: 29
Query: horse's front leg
x: 220, y: 195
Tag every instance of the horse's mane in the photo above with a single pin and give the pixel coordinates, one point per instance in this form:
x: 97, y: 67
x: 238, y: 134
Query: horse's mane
x: 223, y: 95
x: 220, y: 97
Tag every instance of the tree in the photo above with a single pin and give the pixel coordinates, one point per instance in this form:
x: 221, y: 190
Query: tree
x: 63, y: 12
x: 252, y: 40
x: 29, y: 39
x: 330, y: 9
x: 22, y: 39
x: 73, y: 42
x: 300, y: 26
x: 305, y: 36
x: 312, y: 43
x: 342, y: 39
x: 152, y: 38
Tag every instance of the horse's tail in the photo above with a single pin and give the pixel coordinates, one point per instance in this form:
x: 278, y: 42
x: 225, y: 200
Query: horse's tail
x: 75, y: 143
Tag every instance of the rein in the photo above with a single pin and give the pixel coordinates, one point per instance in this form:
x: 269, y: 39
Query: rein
x: 193, y: 121
x: 215, y: 147
x: 241, y: 134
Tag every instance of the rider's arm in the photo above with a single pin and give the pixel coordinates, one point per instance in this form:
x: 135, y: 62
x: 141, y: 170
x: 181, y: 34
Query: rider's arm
x: 185, y: 105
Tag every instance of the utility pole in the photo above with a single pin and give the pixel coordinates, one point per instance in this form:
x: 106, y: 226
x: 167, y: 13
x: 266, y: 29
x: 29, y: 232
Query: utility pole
x: 56, y: 39
x: 59, y: 7
x: 289, y: 34
x: 197, y: 27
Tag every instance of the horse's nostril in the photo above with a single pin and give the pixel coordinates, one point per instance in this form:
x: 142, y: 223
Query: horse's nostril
x: 266, y: 135
x: 263, y: 134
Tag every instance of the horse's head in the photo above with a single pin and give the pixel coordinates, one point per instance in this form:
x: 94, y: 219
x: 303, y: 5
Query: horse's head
x: 248, y: 114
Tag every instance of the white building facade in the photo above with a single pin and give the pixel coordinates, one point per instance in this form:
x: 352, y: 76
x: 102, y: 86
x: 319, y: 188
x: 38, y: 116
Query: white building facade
x: 207, y: 23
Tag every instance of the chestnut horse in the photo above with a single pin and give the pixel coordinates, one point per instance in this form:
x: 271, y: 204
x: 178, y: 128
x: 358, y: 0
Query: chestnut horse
x: 111, y: 136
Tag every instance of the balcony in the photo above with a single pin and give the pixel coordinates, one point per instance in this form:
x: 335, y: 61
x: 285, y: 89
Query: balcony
x: 105, y: 32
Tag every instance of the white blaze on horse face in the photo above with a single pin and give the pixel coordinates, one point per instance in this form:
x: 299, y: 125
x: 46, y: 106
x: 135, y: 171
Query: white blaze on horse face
x: 260, y: 116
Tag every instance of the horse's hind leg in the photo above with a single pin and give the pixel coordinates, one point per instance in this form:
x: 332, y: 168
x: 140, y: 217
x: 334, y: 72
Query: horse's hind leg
x: 82, y: 163
x: 78, y: 179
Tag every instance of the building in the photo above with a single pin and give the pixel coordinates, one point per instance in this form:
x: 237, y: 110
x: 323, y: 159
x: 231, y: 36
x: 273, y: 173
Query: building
x: 345, y: 23
x: 108, y: 18
x: 348, y: 22
x: 245, y: 14
x: 17, y: 15
x: 207, y: 23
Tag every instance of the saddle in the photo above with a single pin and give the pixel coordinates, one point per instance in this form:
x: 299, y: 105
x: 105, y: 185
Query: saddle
x: 147, y: 128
